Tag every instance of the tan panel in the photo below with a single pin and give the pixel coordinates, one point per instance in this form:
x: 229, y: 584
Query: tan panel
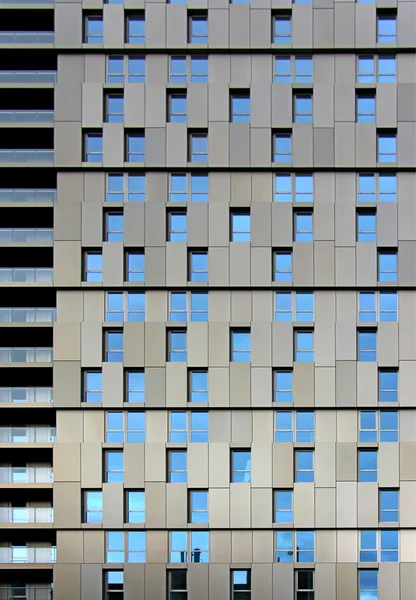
x: 197, y: 581
x: 219, y: 465
x: 67, y: 263
x: 346, y: 504
x: 242, y: 546
x: 407, y: 461
x: 261, y: 575
x: 66, y: 384
x: 93, y: 426
x: 69, y: 307
x: 157, y: 547
x: 240, y: 507
x: 325, y: 580
x: 91, y: 465
x: 219, y: 575
x: 325, y: 507
x: 241, y: 426
x: 347, y: 582
x: 325, y: 464
x: 113, y: 505
x: 407, y: 542
x: 407, y: 495
x: 219, y: 386
x: 388, y: 581
x: 261, y: 508
x: 176, y: 505
x: 367, y: 504
x: 304, y: 505
x: 197, y: 457
x: 94, y: 547
x: 66, y: 462
x: 240, y: 384
x: 197, y: 341
x: 282, y: 581
x: 67, y: 504
x: 157, y: 426
x: 407, y: 581
x: 282, y: 465
x: 303, y: 384
x: 69, y: 426
x: 67, y: 581
x: 388, y: 465
x: 219, y: 508
x: 347, y: 546
x: 70, y: 544
x: 261, y: 464
x: 133, y: 581
x: 155, y: 504
x: 176, y: 385
x: 91, y: 345
x: 346, y: 462
x: 134, y: 344
x: 326, y: 546
x: 91, y: 582
x: 113, y: 384
x: 155, y: 582
x: 134, y: 464
x: 325, y: 423
x: 155, y: 462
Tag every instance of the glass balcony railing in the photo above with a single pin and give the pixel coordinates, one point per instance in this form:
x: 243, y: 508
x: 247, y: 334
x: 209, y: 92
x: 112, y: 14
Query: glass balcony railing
x: 26, y: 116
x: 26, y: 515
x: 28, y: 355
x: 26, y: 2
x: 22, y: 591
x: 27, y: 315
x: 27, y: 76
x: 22, y: 395
x: 26, y: 275
x: 26, y: 235
x: 26, y: 155
x: 25, y: 554
x: 27, y: 195
x: 27, y: 37
x: 26, y: 475
x: 27, y: 435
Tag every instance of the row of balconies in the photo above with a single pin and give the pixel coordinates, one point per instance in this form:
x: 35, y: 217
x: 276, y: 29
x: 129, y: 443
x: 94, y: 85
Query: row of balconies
x: 26, y: 355
x: 26, y: 475
x: 20, y: 395
x: 23, y: 591
x: 27, y: 435
x: 27, y: 554
x: 22, y: 515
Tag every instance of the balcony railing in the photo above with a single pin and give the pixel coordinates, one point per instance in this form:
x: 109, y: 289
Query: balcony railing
x: 23, y: 555
x: 26, y: 475
x: 26, y: 2
x: 29, y: 435
x: 26, y: 275
x: 21, y: 395
x: 27, y: 195
x: 26, y: 515
x: 28, y: 355
x: 27, y: 37
x: 26, y: 235
x: 22, y: 591
x: 26, y: 155
x: 27, y: 315
x: 27, y: 76
x: 26, y: 116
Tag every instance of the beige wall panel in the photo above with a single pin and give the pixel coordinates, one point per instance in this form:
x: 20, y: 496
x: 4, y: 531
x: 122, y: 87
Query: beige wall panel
x: 113, y: 505
x: 241, y: 427
x: 324, y: 343
x: 93, y: 426
x: 325, y: 580
x: 176, y: 384
x: 67, y: 581
x: 407, y: 461
x: 69, y: 426
x: 113, y: 384
x: 176, y: 263
x: 94, y: 303
x: 220, y: 426
x: 155, y: 504
x: 176, y: 505
x: 367, y: 493
x: 242, y: 546
x: 94, y: 547
x: 219, y: 508
x: 263, y: 547
x: 388, y: 344
x: 197, y: 581
x: 67, y: 384
x: 325, y: 386
x: 197, y: 344
x: 219, y: 575
x: 346, y: 504
x: 407, y: 540
x: 326, y: 546
x: 261, y: 388
x: 283, y: 581
x: 91, y: 345
x: 346, y: 461
x: 325, y: 507
x: 261, y: 461
x: 261, y: 508
x: 67, y: 505
x: 155, y: 344
x: 407, y: 581
x: 66, y: 462
x: 220, y: 550
x: 326, y: 426
x: 197, y: 457
x: 240, y: 508
x: 155, y: 462
x: 263, y: 426
x: 367, y: 384
x: 157, y: 424
x: 282, y: 465
x: 155, y: 582
x: 69, y: 307
x: 347, y: 546
x: 157, y: 547
x: 155, y: 387
x: 261, y: 576
x: 70, y: 544
x: 325, y: 464
x: 91, y: 465
x: 304, y: 505
x: 240, y: 384
x: 347, y: 426
x: 282, y: 354
x: 303, y: 384
x: 219, y: 386
x: 389, y: 581
x: 219, y: 465
x: 407, y: 426
x: 134, y: 348
x: 347, y: 582
x: 134, y: 581
x: 388, y: 465
x: 67, y: 263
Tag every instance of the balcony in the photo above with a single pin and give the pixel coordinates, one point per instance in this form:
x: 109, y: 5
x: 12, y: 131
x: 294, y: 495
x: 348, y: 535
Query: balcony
x: 25, y: 554
x: 26, y: 116
x: 27, y: 315
x: 27, y: 195
x: 40, y: 155
x: 26, y: 475
x: 26, y: 355
x: 22, y: 591
x: 26, y: 1
x: 28, y: 76
x: 26, y: 275
x: 27, y: 37
x: 23, y: 515
x: 27, y: 435
x: 26, y: 235
x: 16, y: 395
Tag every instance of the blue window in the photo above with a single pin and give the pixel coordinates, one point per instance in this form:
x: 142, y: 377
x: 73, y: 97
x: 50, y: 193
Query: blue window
x: 386, y: 147
x: 240, y: 108
x: 366, y: 187
x: 198, y: 266
x: 303, y: 69
x: 303, y: 188
x: 388, y: 385
x: 94, y: 29
x: 284, y: 546
x: 198, y: 506
x: 282, y: 29
x: 199, y: 69
x: 177, y: 112
x: 302, y: 108
x: 177, y: 466
x: 282, y: 69
x: 241, y: 466
x: 115, y: 306
x: 136, y: 548
x: 282, y: 147
x: 304, y: 307
x: 136, y: 306
x: 94, y: 147
x: 366, y: 107
x: 366, y: 69
x: 283, y: 387
x: 283, y: 506
x: 387, y: 266
x: 303, y: 227
x: 188, y: 546
x: 136, y: 147
x: 199, y: 306
x: 305, y: 546
x: 178, y: 308
x: 116, y: 187
x: 283, y: 426
x: 367, y: 465
x: 135, y: 386
x: 366, y: 226
x: 115, y: 69
x: 367, y: 346
x: 115, y: 108
x: 368, y: 426
x: 283, y: 188
x: 387, y: 69
x: 389, y: 426
x: 198, y: 147
x: 177, y: 346
x: 199, y: 187
x: 367, y: 306
x: 93, y: 384
x: 136, y: 29
x: 198, y: 382
x: 135, y: 507
x: 93, y: 507
x: 136, y: 426
x: 388, y: 306
x: 283, y: 307
x: 386, y: 28
x: 368, y: 584
x: 389, y: 506
x: 387, y: 187
x: 368, y: 546
x: 136, y: 69
x: 178, y: 191
x: 304, y: 346
x: 198, y: 29
x: 282, y: 270
x: 185, y: 427
x: 114, y: 466
x: 240, y: 346
x: 305, y: 426
x: 115, y: 547
x: 177, y: 226
x: 114, y: 227
x: 135, y: 264
x: 114, y: 346
x: 389, y: 543
x: 287, y: 541
x: 93, y: 266
x: 178, y: 71
x: 240, y: 227
x: 304, y: 466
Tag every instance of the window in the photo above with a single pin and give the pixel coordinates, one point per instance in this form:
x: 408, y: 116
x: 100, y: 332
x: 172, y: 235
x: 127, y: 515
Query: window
x: 379, y: 546
x: 177, y: 584
x: 377, y: 307
x: 136, y: 66
x: 177, y: 226
x: 386, y: 28
x: 136, y: 69
x: 115, y: 69
x: 135, y: 507
x: 199, y: 69
x: 195, y: 304
x: 178, y: 70
x: 366, y: 69
x: 297, y: 68
x: 381, y: 187
x: 177, y: 466
x: 198, y: 29
x: 93, y: 151
x: 303, y: 226
x: 189, y: 546
x: 303, y: 69
x: 300, y: 303
x: 120, y: 543
x: 180, y: 67
x: 367, y: 345
x: 283, y: 387
x: 93, y: 506
x: 388, y: 383
x: 135, y: 29
x: 131, y: 303
x: 305, y: 426
x: 240, y: 107
x: 115, y: 547
x: 135, y: 266
x: 366, y: 107
x: 283, y: 506
x: 282, y: 69
x: 283, y: 426
x: 198, y: 506
x: 177, y: 108
x: 282, y: 261
x: 114, y: 585
x: 198, y: 266
x: 241, y: 578
x: 240, y: 345
x: 114, y: 227
x: 188, y: 426
x: 302, y: 107
x: 304, y: 464
x: 93, y: 266
x: 114, y: 108
x: 181, y: 182
x: 298, y: 185
x: 198, y: 147
x: 135, y: 147
x: 198, y: 386
x: 114, y: 466
x: 387, y: 266
x: 240, y: 226
x: 118, y: 422
x: 366, y: 226
x: 93, y: 386
x: 287, y: 541
x: 388, y: 426
x: 94, y: 30
x: 387, y: 147
x: 304, y: 585
x: 282, y: 147
x: 368, y: 584
x: 129, y: 186
x: 388, y: 506
x: 367, y: 465
x: 282, y: 29
x: 135, y: 386
x: 387, y: 69
x: 304, y: 346
x: 113, y: 346
x: 241, y: 466
x: 384, y: 65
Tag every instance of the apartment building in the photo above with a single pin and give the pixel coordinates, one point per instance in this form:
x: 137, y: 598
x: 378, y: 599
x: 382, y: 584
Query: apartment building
x: 208, y: 307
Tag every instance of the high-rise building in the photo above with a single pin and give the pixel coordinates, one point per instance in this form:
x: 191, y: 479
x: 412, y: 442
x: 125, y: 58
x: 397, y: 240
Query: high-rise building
x: 208, y: 307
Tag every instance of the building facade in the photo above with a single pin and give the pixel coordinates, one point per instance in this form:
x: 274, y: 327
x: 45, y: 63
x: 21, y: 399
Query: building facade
x: 208, y: 308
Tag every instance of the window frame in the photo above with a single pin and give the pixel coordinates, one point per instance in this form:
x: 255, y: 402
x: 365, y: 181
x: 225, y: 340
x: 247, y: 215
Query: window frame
x: 375, y: 433
x: 387, y: 275
x: 289, y: 193
x: 126, y: 433
x: 236, y: 592
x: 86, y: 271
x: 294, y: 312
x: 376, y: 314
x: 128, y: 510
x: 108, y: 471
x: 188, y: 313
x: 365, y: 354
x: 363, y: 115
x: 280, y: 275
x: 198, y: 511
x: 376, y: 194
x: 87, y: 390
x: 198, y: 38
x: 362, y: 234
x: 93, y: 156
x: 238, y: 353
x: 239, y: 115
x: 189, y: 433
x: 182, y: 354
x: 196, y: 156
x: 300, y: 473
x: 291, y: 75
x: 173, y: 115
x: 285, y: 38
x: 306, y: 355
x: 189, y: 551
x: 382, y: 510
x: 236, y: 231
x: 282, y: 157
x: 109, y: 592
x: 390, y: 371
x: 382, y: 156
x: 133, y: 38
x: 298, y: 115
x: 127, y: 551
x: 135, y: 156
x: 285, y: 391
x: 111, y: 355
x: 171, y: 472
x: 386, y: 16
x: 277, y: 510
x: 129, y: 272
x: 175, y: 590
x: 86, y: 511
x: 303, y: 235
x: 293, y: 535
x: 128, y: 390
x: 124, y: 194
x: 192, y: 390
x: 185, y: 188
x: 93, y: 38
x: 197, y: 275
x: 362, y: 470
x: 363, y: 590
x: 176, y: 235
x: 299, y: 592
x: 235, y: 473
x: 111, y: 116
x: 126, y: 311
